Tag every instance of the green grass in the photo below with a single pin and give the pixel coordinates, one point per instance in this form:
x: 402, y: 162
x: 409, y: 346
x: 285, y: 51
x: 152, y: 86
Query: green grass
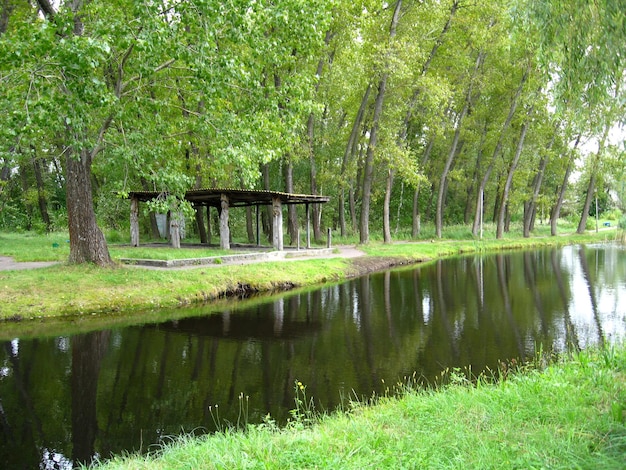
x: 164, y: 253
x: 568, y: 415
x: 64, y: 290
x: 31, y: 246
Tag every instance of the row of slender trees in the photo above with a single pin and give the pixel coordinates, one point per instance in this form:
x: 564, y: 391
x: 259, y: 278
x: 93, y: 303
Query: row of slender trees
x: 444, y: 110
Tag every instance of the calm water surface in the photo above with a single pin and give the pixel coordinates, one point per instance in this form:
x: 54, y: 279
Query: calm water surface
x: 66, y: 399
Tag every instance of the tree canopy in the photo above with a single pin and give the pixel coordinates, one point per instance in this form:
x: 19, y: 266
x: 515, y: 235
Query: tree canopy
x: 441, y: 111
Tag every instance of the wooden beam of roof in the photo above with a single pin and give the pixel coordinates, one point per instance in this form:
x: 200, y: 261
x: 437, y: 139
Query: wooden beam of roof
x: 236, y: 197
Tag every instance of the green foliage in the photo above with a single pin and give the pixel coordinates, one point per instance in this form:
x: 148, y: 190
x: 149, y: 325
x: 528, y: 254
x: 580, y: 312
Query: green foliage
x: 204, y: 93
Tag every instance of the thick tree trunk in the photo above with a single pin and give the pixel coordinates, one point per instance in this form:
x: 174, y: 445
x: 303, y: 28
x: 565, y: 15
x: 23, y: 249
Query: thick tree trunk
x: 509, y: 181
x: 87, y: 243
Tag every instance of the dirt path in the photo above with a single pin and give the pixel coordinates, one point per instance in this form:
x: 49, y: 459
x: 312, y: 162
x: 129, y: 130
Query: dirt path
x: 9, y: 264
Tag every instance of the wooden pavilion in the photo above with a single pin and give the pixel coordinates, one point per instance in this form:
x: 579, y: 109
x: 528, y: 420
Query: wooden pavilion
x: 223, y: 200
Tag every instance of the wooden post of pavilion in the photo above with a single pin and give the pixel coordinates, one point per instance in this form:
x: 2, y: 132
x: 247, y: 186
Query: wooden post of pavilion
x: 134, y: 221
x: 277, y: 220
x: 175, y: 230
x: 224, y: 230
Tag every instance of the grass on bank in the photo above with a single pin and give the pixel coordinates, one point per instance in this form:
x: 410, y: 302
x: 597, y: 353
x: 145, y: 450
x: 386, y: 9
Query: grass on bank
x: 64, y: 290
x: 568, y: 415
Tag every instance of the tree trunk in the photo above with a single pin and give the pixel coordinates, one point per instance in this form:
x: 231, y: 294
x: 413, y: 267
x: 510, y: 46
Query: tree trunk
x: 386, y: 225
x: 208, y: 225
x: 591, y: 187
x: 475, y: 176
x: 352, y: 207
x: 530, y: 207
x: 445, y: 172
x: 292, y: 214
x: 509, y: 180
x: 199, y: 210
x: 347, y: 155
x: 453, y: 147
x: 555, y: 213
x: 267, y: 213
x: 224, y: 228
x: 417, y: 218
x: 27, y: 204
x: 6, y: 9
x: 368, y: 169
x: 483, y: 183
x: 317, y: 233
x: 41, y: 194
x: 87, y: 243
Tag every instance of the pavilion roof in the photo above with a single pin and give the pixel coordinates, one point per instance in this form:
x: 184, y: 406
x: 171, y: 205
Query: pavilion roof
x: 236, y: 197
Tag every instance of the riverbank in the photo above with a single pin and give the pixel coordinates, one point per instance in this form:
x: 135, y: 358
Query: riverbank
x: 30, y: 298
x: 570, y: 414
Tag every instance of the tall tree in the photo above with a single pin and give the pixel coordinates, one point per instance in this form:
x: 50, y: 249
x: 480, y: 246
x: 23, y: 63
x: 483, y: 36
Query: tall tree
x: 368, y: 170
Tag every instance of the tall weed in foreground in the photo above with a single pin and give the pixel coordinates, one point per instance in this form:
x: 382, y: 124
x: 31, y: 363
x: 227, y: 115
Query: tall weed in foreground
x: 304, y: 413
x: 243, y: 416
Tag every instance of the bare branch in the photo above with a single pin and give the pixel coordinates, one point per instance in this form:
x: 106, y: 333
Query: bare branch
x: 163, y: 66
